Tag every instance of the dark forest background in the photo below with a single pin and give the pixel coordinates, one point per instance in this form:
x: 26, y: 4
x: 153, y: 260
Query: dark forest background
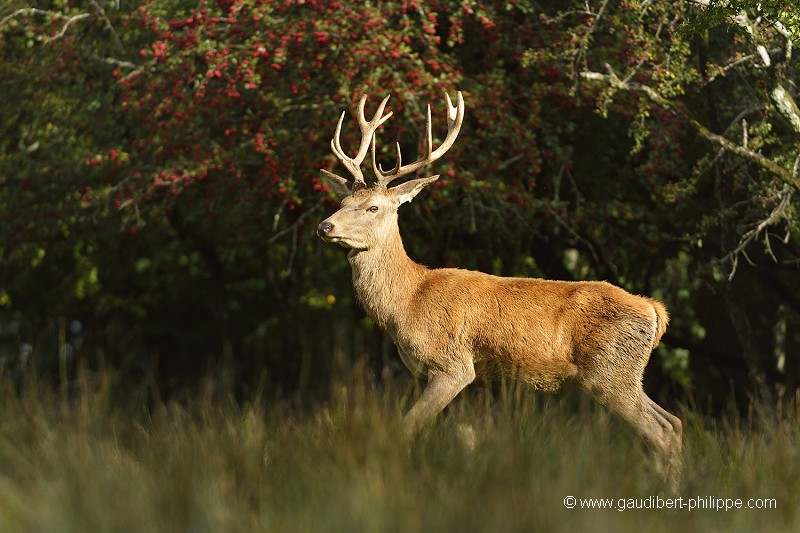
x: 160, y: 185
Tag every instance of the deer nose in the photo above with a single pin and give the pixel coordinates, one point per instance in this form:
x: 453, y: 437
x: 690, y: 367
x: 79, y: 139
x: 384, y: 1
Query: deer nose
x: 324, y: 228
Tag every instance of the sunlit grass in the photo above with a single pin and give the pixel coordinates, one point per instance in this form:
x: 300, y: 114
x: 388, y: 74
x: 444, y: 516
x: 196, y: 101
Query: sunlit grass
x: 215, y: 465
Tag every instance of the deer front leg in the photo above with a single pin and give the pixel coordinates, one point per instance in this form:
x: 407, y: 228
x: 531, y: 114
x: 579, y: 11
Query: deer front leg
x: 442, y: 387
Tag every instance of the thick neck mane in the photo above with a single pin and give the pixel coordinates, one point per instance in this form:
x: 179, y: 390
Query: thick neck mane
x: 385, y: 279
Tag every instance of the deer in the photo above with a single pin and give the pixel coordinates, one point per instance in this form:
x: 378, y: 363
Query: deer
x: 456, y: 325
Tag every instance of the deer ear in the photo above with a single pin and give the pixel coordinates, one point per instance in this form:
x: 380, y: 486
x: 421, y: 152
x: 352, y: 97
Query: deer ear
x: 339, y: 185
x: 405, y: 192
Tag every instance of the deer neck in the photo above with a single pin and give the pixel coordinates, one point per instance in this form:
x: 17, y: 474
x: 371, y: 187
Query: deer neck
x: 384, y: 280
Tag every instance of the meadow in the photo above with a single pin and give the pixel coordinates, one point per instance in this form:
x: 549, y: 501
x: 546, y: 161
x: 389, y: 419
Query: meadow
x: 79, y: 462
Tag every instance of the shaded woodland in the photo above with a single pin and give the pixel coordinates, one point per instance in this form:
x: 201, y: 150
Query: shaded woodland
x: 160, y: 184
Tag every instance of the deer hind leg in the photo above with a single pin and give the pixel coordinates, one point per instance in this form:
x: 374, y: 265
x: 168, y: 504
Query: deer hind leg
x: 673, y: 431
x: 668, y: 420
x: 654, y: 425
x: 442, y: 387
x: 613, y: 375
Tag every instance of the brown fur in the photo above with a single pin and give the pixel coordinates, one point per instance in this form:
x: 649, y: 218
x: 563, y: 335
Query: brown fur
x: 457, y: 325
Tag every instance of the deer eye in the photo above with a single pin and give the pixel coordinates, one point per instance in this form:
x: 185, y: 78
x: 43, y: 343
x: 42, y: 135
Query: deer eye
x: 373, y: 209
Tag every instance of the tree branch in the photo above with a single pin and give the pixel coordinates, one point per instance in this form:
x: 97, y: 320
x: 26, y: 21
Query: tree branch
x: 780, y: 97
x: 293, y: 227
x: 30, y: 11
x: 108, y: 26
x: 767, y: 164
x: 777, y: 214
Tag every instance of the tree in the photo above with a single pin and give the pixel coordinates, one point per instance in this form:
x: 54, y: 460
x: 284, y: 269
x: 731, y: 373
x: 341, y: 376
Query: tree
x: 752, y: 177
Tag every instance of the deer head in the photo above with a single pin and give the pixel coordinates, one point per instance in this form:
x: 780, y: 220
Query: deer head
x: 368, y: 213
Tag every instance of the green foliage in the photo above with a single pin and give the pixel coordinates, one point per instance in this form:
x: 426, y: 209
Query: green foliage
x: 159, y: 176
x: 769, y: 12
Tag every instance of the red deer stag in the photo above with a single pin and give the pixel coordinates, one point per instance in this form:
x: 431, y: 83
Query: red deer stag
x: 456, y: 325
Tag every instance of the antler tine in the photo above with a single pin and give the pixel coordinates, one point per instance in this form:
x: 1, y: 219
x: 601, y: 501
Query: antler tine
x: 429, y: 132
x: 455, y: 117
x: 353, y: 164
x: 377, y: 169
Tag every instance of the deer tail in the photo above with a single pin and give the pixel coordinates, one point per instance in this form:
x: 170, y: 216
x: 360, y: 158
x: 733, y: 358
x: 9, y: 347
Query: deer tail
x: 662, y: 320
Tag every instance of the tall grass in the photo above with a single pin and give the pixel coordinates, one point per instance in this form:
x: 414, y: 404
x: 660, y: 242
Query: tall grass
x: 83, y: 465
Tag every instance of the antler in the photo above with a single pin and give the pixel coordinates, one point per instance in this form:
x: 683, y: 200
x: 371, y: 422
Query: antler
x: 367, y: 134
x: 455, y: 116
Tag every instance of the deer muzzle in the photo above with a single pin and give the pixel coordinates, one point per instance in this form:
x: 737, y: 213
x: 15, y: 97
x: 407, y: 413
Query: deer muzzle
x: 324, y: 229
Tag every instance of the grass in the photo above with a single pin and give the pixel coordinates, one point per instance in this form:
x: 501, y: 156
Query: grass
x: 221, y: 466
